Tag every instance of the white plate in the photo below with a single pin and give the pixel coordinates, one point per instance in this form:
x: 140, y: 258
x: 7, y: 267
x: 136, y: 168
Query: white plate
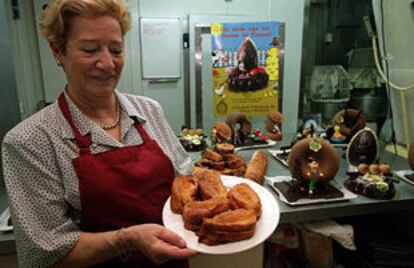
x: 269, y: 143
x: 265, y: 226
x: 401, y: 174
x: 5, y: 216
x: 308, y: 201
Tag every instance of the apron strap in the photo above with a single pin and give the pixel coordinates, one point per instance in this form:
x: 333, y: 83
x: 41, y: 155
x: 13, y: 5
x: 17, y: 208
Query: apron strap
x: 144, y: 135
x: 83, y: 142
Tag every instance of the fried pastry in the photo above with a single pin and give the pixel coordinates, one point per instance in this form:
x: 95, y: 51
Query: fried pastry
x: 194, y: 212
x: 238, y: 172
x: 243, y: 196
x: 256, y: 169
x: 207, y: 163
x: 218, y: 237
x: 234, y: 161
x: 204, y: 162
x: 231, y: 221
x: 224, y: 148
x: 212, y: 155
x: 210, y: 185
x: 184, y: 190
x: 221, y: 132
x: 199, y: 170
x: 229, y: 226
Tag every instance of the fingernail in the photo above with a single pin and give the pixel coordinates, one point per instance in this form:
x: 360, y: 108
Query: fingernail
x: 183, y: 243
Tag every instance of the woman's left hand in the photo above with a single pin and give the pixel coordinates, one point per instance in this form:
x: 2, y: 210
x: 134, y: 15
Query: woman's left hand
x: 158, y: 243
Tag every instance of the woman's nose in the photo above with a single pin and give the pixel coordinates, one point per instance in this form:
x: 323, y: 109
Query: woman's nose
x: 106, y: 61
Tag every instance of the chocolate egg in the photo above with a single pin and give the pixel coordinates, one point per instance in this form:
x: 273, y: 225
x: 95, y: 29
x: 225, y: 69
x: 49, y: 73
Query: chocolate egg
x: 247, y: 55
x: 363, y: 148
x: 324, y: 154
x: 350, y: 121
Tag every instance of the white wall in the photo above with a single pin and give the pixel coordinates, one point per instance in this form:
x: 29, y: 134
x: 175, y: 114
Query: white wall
x: 171, y: 95
x: 289, y: 11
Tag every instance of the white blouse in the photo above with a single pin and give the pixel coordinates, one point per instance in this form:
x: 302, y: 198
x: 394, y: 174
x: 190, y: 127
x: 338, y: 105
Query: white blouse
x: 41, y: 182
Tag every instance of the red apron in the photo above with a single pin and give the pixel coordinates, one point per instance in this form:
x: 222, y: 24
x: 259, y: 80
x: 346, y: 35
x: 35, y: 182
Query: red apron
x: 122, y: 187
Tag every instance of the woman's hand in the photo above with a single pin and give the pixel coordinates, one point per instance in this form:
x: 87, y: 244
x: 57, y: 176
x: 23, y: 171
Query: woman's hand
x: 157, y: 243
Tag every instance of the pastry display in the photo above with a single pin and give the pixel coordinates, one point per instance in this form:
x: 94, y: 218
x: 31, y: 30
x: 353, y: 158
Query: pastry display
x: 374, y: 180
x: 349, y: 122
x: 221, y: 133
x: 371, y: 179
x: 192, y: 139
x: 223, y: 160
x: 241, y: 131
x: 313, y: 163
x: 213, y: 213
x: 247, y: 75
x: 273, y: 122
x: 256, y: 169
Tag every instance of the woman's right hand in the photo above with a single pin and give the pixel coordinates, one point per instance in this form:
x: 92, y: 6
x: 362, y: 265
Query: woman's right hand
x: 157, y: 243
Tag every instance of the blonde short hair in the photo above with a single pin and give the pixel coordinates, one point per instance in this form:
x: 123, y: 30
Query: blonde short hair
x: 55, y: 25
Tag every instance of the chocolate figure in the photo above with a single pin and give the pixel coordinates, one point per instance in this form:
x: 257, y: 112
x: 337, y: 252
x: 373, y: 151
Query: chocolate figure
x: 314, y: 174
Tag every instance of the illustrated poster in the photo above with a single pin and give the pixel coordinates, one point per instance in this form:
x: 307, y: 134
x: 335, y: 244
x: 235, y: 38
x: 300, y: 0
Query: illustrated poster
x: 245, y: 58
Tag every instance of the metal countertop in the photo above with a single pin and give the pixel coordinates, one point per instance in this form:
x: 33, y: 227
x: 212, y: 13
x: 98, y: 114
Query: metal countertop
x: 404, y: 199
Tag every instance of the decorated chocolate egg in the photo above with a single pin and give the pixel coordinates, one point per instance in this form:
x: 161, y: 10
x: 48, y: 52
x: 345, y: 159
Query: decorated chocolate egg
x: 363, y: 148
x: 350, y: 121
x: 313, y: 159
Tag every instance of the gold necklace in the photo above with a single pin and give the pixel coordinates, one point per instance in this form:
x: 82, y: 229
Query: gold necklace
x: 116, y: 122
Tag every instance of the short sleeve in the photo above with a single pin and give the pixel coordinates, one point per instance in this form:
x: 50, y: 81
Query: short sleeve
x: 43, y: 229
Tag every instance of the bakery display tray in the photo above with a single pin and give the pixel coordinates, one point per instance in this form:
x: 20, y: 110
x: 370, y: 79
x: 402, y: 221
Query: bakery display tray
x: 307, y: 201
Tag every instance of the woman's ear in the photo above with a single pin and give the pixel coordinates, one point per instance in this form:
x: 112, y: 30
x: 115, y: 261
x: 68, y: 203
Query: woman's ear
x: 56, y: 54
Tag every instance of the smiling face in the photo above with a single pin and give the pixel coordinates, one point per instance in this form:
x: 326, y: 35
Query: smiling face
x: 94, y: 57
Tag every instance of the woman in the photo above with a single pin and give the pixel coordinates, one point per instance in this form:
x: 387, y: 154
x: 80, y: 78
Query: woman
x: 87, y: 176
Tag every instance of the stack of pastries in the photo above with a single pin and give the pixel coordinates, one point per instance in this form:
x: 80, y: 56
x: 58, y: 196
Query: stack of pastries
x: 215, y: 214
x: 223, y: 159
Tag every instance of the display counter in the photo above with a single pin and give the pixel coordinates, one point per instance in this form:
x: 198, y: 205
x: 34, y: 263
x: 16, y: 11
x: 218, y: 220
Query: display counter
x: 404, y: 200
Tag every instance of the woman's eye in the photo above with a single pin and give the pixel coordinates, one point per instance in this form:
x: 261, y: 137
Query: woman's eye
x: 89, y: 50
x: 117, y: 51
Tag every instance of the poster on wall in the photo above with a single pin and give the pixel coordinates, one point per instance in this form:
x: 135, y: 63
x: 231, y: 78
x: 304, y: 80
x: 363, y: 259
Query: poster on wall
x: 245, y: 61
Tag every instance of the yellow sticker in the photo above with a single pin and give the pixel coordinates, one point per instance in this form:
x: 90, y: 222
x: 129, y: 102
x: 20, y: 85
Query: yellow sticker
x: 216, y: 29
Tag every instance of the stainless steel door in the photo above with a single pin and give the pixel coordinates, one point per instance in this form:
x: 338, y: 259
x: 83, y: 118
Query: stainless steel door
x: 9, y: 103
x: 202, y: 107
